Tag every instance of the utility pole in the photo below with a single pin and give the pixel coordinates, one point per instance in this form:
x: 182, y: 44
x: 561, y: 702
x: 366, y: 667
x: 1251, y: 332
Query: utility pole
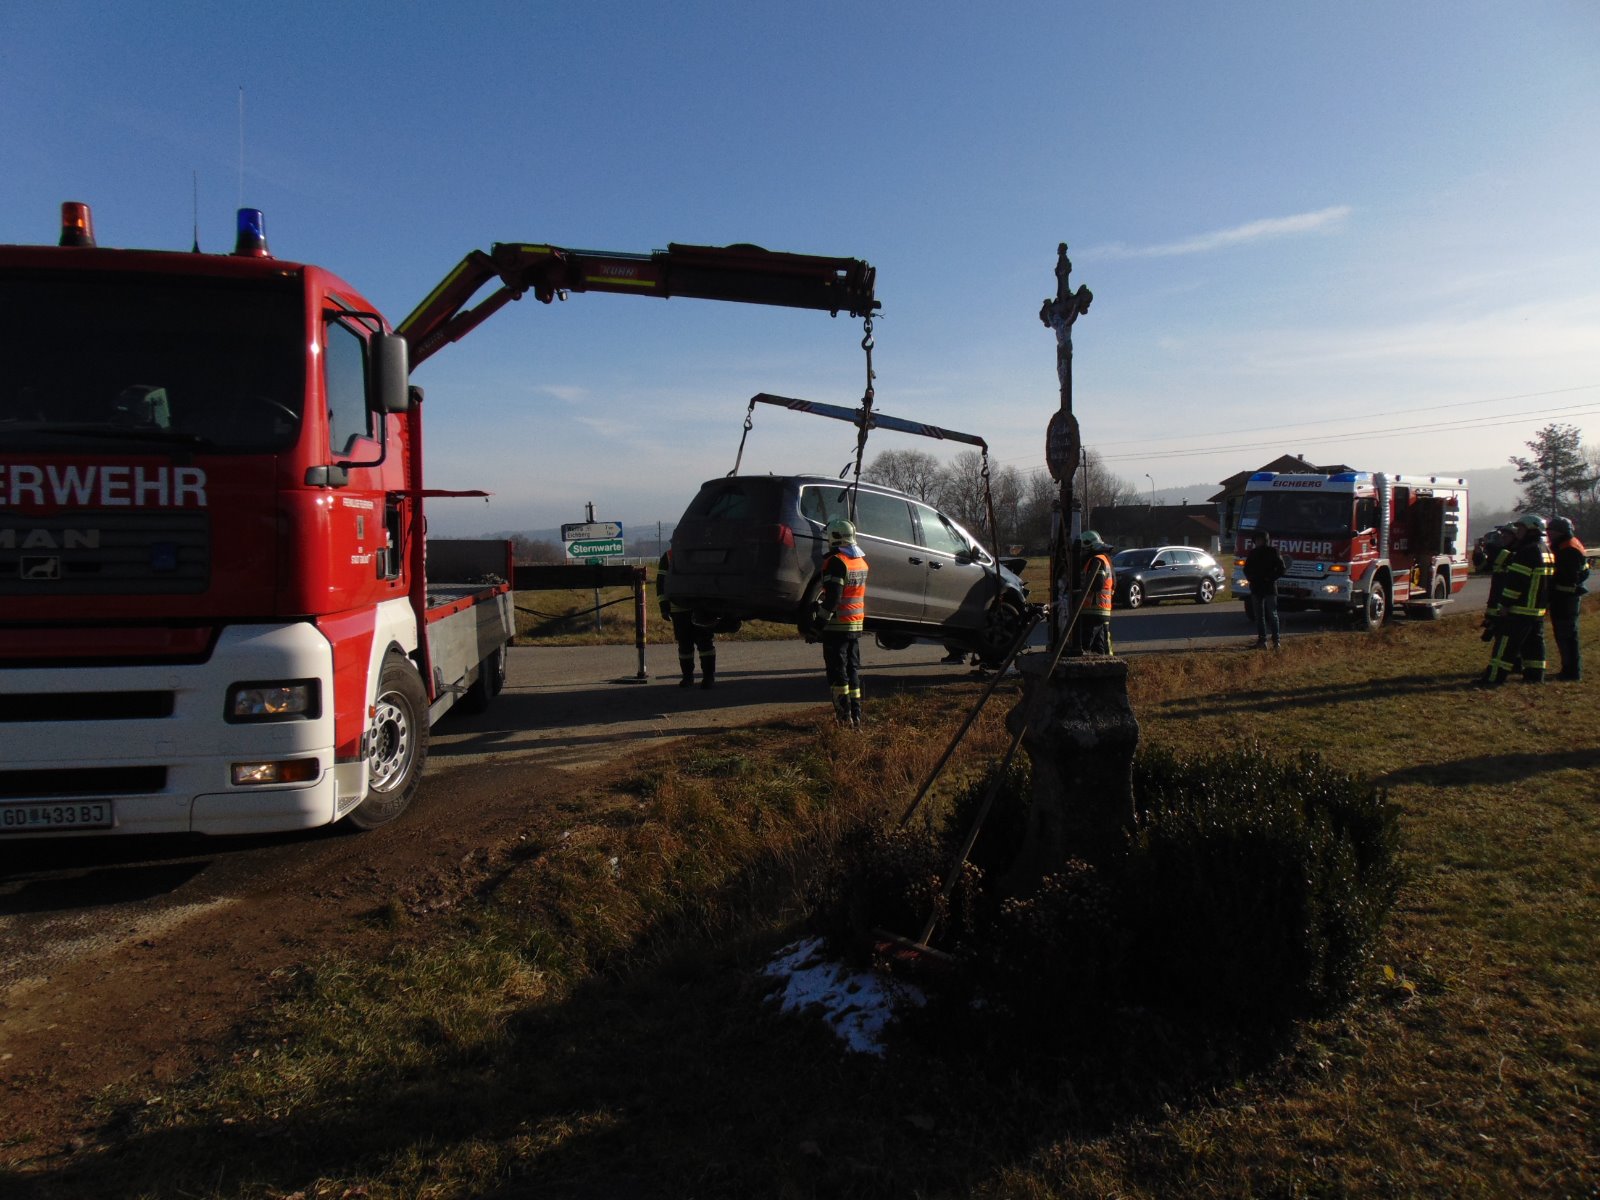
x: 1062, y: 443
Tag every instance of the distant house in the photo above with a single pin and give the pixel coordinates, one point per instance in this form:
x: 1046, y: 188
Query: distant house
x: 1127, y: 525
x: 1227, y: 501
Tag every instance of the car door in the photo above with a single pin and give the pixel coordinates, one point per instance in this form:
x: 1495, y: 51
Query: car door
x: 1158, y: 582
x: 895, y: 563
x: 959, y: 588
x: 1184, y: 575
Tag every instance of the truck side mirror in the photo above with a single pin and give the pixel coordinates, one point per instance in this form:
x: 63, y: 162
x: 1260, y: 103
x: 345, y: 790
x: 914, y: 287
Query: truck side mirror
x: 390, y: 373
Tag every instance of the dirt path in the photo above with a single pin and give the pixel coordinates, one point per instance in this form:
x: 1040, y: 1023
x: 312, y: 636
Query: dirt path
x: 166, y: 979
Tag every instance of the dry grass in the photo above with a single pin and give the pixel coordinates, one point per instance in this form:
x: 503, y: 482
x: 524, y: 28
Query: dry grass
x: 588, y: 1021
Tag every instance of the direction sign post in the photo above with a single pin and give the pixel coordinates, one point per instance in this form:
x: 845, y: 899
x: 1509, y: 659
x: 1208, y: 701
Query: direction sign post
x: 590, y: 540
x: 597, y: 548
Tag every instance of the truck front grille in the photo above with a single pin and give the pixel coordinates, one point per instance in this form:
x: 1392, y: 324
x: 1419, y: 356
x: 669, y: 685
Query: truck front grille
x: 104, y: 553
x: 82, y: 781
x: 85, y: 706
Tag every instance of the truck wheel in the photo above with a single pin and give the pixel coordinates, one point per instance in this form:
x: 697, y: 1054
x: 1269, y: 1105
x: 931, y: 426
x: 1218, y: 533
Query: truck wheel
x: 397, y: 745
x: 490, y: 682
x: 1377, y: 610
x: 1441, y: 591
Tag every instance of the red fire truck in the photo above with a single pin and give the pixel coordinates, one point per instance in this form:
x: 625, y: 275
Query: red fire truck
x: 1359, y: 542
x: 218, y: 612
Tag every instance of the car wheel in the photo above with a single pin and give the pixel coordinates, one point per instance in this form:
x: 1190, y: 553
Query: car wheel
x: 1135, y: 594
x: 490, y: 682
x: 805, y: 616
x: 397, y: 745
x: 1001, y: 627
x: 1206, y: 592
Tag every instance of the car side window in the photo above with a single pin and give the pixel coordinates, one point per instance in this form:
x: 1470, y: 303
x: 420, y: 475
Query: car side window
x: 823, y: 504
x: 938, y: 534
x: 886, y: 517
x: 1161, y: 560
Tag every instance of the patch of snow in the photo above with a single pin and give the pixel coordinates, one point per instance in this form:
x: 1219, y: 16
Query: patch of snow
x: 857, y: 1005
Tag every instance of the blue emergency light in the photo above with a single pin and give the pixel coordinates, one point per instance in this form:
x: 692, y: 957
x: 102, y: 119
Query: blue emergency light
x: 252, y: 238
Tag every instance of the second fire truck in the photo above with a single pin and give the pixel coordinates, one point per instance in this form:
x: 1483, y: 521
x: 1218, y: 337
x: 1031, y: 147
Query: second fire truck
x: 1366, y: 543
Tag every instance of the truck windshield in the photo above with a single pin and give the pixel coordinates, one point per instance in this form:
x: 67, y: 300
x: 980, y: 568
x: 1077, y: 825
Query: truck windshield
x: 124, y: 359
x: 1326, y: 514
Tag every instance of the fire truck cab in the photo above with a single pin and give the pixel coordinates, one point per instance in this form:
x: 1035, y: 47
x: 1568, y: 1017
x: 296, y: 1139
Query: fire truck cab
x: 218, y: 609
x: 1358, y: 542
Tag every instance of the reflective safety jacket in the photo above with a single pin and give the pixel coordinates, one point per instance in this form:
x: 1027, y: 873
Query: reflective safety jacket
x: 1567, y: 582
x: 844, y: 590
x: 1099, y: 581
x: 1527, y: 588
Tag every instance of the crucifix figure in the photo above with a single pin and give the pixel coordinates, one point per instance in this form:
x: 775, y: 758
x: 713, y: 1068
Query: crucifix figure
x: 1063, y: 447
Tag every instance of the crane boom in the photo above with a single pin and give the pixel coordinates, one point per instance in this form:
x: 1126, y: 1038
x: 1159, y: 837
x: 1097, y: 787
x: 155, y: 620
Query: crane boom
x: 741, y: 273
x: 875, y: 420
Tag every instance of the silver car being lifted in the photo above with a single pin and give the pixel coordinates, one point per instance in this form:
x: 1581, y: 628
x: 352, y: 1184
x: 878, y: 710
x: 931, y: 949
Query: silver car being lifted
x: 750, y: 547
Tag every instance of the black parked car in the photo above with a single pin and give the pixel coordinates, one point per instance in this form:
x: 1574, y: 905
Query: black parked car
x: 750, y: 547
x: 1150, y: 574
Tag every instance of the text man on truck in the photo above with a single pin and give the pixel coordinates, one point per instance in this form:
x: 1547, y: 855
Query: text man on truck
x: 218, y: 613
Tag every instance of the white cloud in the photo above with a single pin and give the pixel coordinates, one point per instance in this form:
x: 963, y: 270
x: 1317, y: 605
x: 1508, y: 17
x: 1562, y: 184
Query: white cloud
x: 1324, y: 220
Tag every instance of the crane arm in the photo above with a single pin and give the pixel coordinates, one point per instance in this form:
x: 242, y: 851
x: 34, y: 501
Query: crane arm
x: 742, y: 274
x: 875, y: 420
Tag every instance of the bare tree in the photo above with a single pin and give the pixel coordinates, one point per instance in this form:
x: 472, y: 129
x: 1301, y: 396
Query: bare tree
x: 535, y: 550
x: 1098, y: 487
x: 914, y: 472
x: 960, y: 493
x: 1040, y: 495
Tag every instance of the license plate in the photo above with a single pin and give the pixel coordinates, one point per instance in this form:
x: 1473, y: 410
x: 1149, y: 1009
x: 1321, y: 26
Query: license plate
x: 75, y: 814
x: 709, y: 557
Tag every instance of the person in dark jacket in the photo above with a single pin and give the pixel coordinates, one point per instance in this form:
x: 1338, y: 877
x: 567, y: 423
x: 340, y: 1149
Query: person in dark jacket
x: 1566, y: 595
x: 690, y: 636
x: 842, y: 613
x: 1263, y: 567
x: 1518, y: 618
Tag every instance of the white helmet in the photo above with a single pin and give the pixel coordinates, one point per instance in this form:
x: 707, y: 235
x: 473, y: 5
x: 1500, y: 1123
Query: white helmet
x: 841, y: 532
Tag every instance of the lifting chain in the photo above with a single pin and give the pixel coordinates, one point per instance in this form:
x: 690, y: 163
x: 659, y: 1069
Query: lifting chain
x: 866, y: 411
x: 749, y: 423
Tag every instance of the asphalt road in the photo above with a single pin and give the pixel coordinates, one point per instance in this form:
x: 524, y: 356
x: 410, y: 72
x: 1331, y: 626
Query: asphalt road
x: 568, y: 705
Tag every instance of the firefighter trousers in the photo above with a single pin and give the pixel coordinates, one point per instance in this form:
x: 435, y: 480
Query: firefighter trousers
x: 841, y: 658
x: 1517, y: 638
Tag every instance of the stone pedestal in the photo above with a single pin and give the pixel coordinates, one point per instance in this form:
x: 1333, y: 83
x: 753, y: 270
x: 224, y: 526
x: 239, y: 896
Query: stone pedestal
x: 1081, y: 736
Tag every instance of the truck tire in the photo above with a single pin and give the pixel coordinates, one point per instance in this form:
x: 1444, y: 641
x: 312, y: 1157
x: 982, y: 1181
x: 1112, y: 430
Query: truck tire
x: 1376, y: 611
x: 397, y: 745
x: 489, y: 684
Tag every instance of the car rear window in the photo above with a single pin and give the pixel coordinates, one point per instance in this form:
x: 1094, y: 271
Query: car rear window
x: 736, y: 500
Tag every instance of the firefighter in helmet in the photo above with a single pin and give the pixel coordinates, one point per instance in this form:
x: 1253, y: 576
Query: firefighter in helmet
x: 1566, y: 594
x: 841, y: 614
x: 1098, y: 581
x: 1518, y: 616
x: 691, y: 635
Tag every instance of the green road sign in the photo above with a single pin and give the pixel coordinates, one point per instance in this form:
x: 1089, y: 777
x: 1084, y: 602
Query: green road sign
x: 595, y: 548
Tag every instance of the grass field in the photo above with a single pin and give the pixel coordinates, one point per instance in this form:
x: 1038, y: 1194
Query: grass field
x: 586, y: 1017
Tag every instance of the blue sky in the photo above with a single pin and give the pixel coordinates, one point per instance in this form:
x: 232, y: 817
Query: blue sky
x: 1361, y: 231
